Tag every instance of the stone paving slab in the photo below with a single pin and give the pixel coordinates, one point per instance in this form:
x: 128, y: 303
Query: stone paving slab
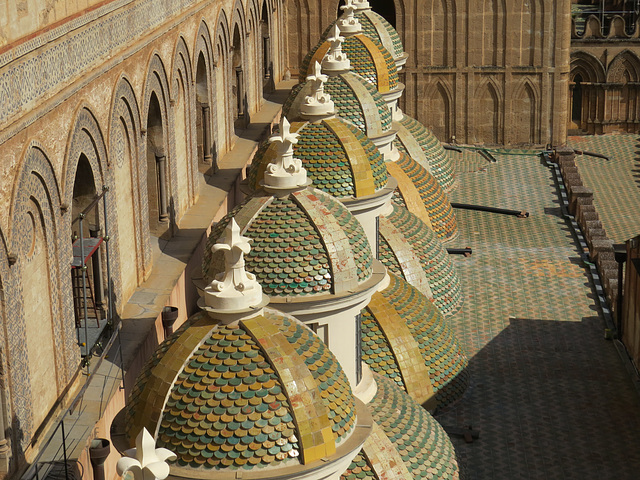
x: 550, y: 397
x: 615, y: 182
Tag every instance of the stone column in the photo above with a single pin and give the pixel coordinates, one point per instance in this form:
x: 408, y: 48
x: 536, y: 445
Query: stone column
x: 266, y: 55
x: 206, y: 134
x: 239, y: 92
x: 161, y: 161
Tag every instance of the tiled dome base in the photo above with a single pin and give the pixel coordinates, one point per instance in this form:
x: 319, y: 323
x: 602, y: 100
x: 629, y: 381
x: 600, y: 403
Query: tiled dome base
x: 423, y: 445
x: 439, y: 161
x: 402, y: 230
x: 305, y: 243
x: 440, y: 350
x: 338, y: 157
x: 368, y: 58
x: 435, y: 201
x: 353, y: 97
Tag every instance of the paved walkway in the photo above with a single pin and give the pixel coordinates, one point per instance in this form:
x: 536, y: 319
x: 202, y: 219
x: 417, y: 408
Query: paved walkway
x: 550, y: 397
x: 615, y: 182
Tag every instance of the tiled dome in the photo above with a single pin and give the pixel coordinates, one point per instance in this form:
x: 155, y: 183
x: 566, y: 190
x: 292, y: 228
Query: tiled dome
x: 423, y: 146
x: 360, y: 468
x: 412, y: 251
x: 339, y: 159
x: 405, y: 338
x: 421, y: 194
x: 422, y: 444
x: 378, y: 459
x: 353, y: 98
x: 375, y: 26
x: 305, y: 243
x: 368, y: 57
x: 263, y: 393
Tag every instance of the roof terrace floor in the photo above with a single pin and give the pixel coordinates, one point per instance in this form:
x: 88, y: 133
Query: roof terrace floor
x: 551, y: 397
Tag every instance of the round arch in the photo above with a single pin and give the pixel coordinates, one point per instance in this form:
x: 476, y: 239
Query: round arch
x: 125, y: 150
x: 160, y: 203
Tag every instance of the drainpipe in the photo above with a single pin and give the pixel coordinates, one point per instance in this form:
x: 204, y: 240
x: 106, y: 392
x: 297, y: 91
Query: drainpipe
x: 98, y: 453
x: 169, y: 317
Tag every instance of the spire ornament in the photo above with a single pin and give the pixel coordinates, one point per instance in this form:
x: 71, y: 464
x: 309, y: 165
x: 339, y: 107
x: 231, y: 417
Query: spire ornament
x: 348, y: 23
x: 318, y: 105
x: 235, y: 289
x: 336, y: 61
x: 145, y: 462
x: 361, y: 5
x: 285, y: 172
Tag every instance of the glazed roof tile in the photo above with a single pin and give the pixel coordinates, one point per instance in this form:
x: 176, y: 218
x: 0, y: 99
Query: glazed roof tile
x: 422, y: 195
x: 224, y: 403
x: 305, y: 243
x: 423, y: 445
x: 368, y: 58
x: 377, y: 27
x: 401, y: 326
x: 395, y: 47
x: 327, y: 373
x: 434, y: 157
x: 360, y: 468
x: 353, y: 98
x: 339, y: 159
x: 404, y: 238
x: 383, y: 456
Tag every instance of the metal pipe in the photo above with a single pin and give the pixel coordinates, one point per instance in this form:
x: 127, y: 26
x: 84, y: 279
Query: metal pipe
x: 487, y: 155
x: 96, y: 266
x: 480, y: 208
x: 89, y: 207
x: 467, y: 251
x: 64, y: 450
x: 591, y: 154
x: 83, y: 267
x: 119, y: 327
x: 446, y: 146
x: 105, y: 189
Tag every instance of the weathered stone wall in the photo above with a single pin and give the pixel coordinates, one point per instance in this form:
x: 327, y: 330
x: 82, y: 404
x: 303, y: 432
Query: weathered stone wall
x: 107, y: 91
x: 490, y: 71
x: 605, y: 76
x: 22, y: 18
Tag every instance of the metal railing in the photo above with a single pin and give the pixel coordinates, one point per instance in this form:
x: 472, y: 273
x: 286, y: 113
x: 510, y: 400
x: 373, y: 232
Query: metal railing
x: 55, y: 453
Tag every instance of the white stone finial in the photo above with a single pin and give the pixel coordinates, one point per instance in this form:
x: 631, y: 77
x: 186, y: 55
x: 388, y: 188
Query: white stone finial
x: 361, y: 5
x: 348, y: 23
x: 235, y: 289
x: 285, y: 172
x: 319, y: 104
x: 336, y: 61
x: 146, y: 462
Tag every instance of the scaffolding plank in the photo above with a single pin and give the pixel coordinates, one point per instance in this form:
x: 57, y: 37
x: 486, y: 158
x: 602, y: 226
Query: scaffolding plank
x: 91, y: 244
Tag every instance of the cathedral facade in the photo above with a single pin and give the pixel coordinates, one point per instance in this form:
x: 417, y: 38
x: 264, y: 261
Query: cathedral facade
x: 492, y: 72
